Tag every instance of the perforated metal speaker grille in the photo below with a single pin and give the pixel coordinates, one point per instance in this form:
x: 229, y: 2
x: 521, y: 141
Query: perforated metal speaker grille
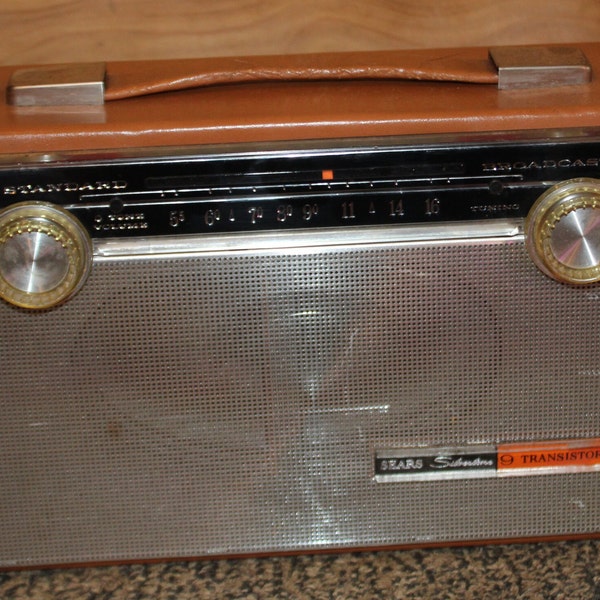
x: 232, y: 402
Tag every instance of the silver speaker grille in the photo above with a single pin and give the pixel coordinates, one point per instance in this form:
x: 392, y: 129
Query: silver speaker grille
x: 232, y: 402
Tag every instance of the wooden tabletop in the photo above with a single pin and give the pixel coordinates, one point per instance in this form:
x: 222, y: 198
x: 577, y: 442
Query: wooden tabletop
x: 50, y: 31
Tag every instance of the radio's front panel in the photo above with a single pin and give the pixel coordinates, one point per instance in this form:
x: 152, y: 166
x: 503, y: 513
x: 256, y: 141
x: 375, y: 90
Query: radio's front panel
x: 314, y: 349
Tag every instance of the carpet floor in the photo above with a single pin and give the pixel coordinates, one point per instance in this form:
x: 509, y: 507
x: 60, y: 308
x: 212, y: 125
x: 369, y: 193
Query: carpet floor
x: 561, y: 570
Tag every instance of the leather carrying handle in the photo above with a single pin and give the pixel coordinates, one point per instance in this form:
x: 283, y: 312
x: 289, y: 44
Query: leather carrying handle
x: 126, y: 80
x: 96, y: 83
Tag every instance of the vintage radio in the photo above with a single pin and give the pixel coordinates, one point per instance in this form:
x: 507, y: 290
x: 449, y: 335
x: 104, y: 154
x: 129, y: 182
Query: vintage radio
x: 295, y: 304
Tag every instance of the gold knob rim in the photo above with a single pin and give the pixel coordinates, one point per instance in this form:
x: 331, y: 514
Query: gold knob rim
x: 65, y: 233
x: 580, y: 195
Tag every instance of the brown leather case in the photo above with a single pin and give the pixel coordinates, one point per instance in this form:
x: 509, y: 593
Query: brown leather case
x: 209, y: 101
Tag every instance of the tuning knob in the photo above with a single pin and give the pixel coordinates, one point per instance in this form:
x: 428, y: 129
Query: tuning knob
x: 45, y: 255
x: 563, y: 231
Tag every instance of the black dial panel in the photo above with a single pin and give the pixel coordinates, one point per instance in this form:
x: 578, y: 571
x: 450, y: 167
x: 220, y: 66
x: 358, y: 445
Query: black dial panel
x: 202, y: 191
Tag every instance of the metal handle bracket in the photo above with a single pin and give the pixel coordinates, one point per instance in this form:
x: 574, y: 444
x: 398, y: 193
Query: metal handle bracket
x: 540, y: 66
x: 77, y: 84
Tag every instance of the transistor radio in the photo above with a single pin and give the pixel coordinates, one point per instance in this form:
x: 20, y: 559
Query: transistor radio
x: 303, y: 303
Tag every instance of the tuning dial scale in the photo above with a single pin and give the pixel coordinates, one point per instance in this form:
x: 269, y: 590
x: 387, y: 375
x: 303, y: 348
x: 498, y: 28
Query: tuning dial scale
x: 563, y: 231
x: 45, y: 255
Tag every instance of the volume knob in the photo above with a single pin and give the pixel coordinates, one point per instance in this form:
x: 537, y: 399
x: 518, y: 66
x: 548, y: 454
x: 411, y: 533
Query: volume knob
x: 45, y: 255
x: 563, y: 231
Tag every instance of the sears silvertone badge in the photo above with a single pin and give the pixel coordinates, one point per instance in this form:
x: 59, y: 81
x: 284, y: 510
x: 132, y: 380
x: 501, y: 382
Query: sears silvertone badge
x: 274, y: 304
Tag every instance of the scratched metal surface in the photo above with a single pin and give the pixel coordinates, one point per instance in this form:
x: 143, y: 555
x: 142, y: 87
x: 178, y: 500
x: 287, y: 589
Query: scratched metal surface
x: 231, y: 402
